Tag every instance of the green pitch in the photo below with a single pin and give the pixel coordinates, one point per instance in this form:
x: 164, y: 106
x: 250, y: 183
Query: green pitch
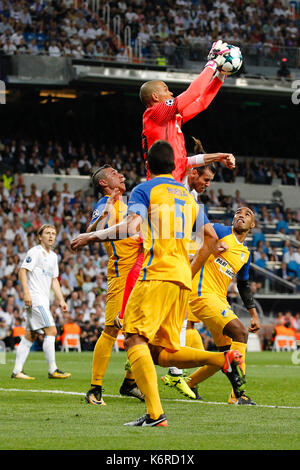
x: 52, y: 415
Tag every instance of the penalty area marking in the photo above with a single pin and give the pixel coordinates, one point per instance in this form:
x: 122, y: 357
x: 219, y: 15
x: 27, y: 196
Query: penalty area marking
x: 199, y: 402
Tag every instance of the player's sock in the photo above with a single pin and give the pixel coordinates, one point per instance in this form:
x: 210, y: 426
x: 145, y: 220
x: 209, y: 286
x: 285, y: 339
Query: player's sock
x: 22, y: 354
x: 189, y: 358
x: 129, y: 375
x: 175, y: 371
x: 101, y: 356
x: 242, y: 347
x: 202, y: 374
x: 193, y: 339
x: 49, y: 351
x: 145, y: 375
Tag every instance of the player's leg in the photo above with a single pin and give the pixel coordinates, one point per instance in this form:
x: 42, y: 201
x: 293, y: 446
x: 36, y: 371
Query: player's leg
x: 141, y: 323
x: 49, y: 350
x: 129, y: 386
x: 22, y: 353
x: 145, y: 375
x: 104, y: 346
x: 190, y: 357
x: 174, y: 378
x: 239, y: 336
x: 105, y: 343
x: 101, y: 357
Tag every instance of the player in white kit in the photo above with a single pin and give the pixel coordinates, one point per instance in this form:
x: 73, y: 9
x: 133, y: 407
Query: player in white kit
x: 38, y: 275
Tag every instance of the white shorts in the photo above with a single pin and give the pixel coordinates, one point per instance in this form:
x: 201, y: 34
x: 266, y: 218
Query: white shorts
x: 38, y: 317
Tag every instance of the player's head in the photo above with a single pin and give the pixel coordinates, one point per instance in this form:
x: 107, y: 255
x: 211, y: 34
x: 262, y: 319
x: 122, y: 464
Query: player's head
x: 154, y: 91
x: 47, y: 235
x: 243, y: 220
x: 160, y: 158
x: 200, y: 178
x: 105, y: 179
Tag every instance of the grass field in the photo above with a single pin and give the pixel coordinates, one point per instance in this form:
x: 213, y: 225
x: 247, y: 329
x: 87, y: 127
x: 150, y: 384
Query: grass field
x: 52, y: 415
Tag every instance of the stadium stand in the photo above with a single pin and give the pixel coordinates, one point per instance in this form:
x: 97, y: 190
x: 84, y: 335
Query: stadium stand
x: 166, y: 32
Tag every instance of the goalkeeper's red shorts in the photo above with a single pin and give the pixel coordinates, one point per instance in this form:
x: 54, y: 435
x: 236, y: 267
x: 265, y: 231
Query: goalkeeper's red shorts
x: 131, y: 280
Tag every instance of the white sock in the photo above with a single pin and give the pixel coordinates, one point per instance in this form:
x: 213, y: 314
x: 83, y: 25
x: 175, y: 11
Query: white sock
x: 175, y: 370
x: 49, y: 351
x: 22, y: 354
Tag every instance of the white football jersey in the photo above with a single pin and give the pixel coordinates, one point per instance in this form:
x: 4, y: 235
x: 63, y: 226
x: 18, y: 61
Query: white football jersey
x: 42, y: 267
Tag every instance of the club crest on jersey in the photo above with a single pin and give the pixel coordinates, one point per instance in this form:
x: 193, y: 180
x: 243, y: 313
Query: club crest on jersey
x: 242, y: 256
x: 169, y: 102
x: 28, y: 259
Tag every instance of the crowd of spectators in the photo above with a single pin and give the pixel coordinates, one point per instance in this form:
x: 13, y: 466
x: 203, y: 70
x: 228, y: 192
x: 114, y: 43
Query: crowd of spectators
x: 52, y: 157
x: 83, y: 275
x: 162, y: 28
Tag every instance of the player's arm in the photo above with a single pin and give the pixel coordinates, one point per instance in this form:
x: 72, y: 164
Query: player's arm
x: 99, y: 222
x: 209, y: 245
x: 203, y: 87
x: 55, y: 285
x: 24, y: 284
x: 206, y: 158
x: 203, y: 101
x: 129, y: 227
x: 244, y: 289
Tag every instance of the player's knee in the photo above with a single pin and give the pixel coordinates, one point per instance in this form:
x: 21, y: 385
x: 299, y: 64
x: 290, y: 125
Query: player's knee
x: 50, y: 331
x: 236, y: 331
x: 111, y: 331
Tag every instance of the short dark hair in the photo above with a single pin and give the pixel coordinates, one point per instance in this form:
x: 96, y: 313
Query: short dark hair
x: 161, y: 158
x: 98, y: 175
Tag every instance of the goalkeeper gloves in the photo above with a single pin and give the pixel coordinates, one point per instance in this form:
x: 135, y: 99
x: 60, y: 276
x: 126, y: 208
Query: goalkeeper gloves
x: 218, y: 48
x: 216, y: 55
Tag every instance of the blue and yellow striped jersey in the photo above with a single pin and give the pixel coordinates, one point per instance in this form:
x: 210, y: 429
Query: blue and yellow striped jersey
x: 170, y: 214
x: 217, y: 273
x: 122, y: 253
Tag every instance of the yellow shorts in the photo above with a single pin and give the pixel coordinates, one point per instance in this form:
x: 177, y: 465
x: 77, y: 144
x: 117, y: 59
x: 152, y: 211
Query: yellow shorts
x: 156, y: 310
x: 114, y: 298
x: 215, y: 313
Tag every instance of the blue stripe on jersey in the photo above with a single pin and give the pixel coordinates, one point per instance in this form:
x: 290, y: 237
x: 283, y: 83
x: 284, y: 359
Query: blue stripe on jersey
x: 116, y: 260
x: 151, y: 251
x: 44, y: 315
x: 200, y: 281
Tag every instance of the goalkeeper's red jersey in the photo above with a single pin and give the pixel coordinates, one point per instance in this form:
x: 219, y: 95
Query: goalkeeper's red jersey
x: 163, y: 121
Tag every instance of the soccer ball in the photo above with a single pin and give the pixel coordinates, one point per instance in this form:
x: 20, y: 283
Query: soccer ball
x: 232, y: 61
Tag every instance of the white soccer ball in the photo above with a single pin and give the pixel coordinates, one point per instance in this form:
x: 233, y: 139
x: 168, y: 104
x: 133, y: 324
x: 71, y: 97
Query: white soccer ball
x: 232, y: 61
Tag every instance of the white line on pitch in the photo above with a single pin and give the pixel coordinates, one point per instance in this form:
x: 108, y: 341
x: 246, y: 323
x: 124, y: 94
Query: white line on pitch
x: 199, y: 402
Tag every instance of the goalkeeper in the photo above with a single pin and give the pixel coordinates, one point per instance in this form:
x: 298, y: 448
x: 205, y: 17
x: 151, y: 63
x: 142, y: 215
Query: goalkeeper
x: 165, y: 114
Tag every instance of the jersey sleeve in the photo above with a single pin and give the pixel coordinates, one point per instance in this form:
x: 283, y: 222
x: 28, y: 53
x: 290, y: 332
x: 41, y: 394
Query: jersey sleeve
x: 30, y: 260
x: 98, y: 209
x: 201, y: 219
x: 243, y: 274
x: 222, y: 230
x: 163, y: 112
x: 56, y: 269
x: 139, y: 201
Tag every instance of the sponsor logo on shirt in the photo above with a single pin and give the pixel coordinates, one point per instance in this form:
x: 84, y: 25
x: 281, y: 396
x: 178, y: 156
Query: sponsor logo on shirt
x: 28, y: 259
x: 225, y: 268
